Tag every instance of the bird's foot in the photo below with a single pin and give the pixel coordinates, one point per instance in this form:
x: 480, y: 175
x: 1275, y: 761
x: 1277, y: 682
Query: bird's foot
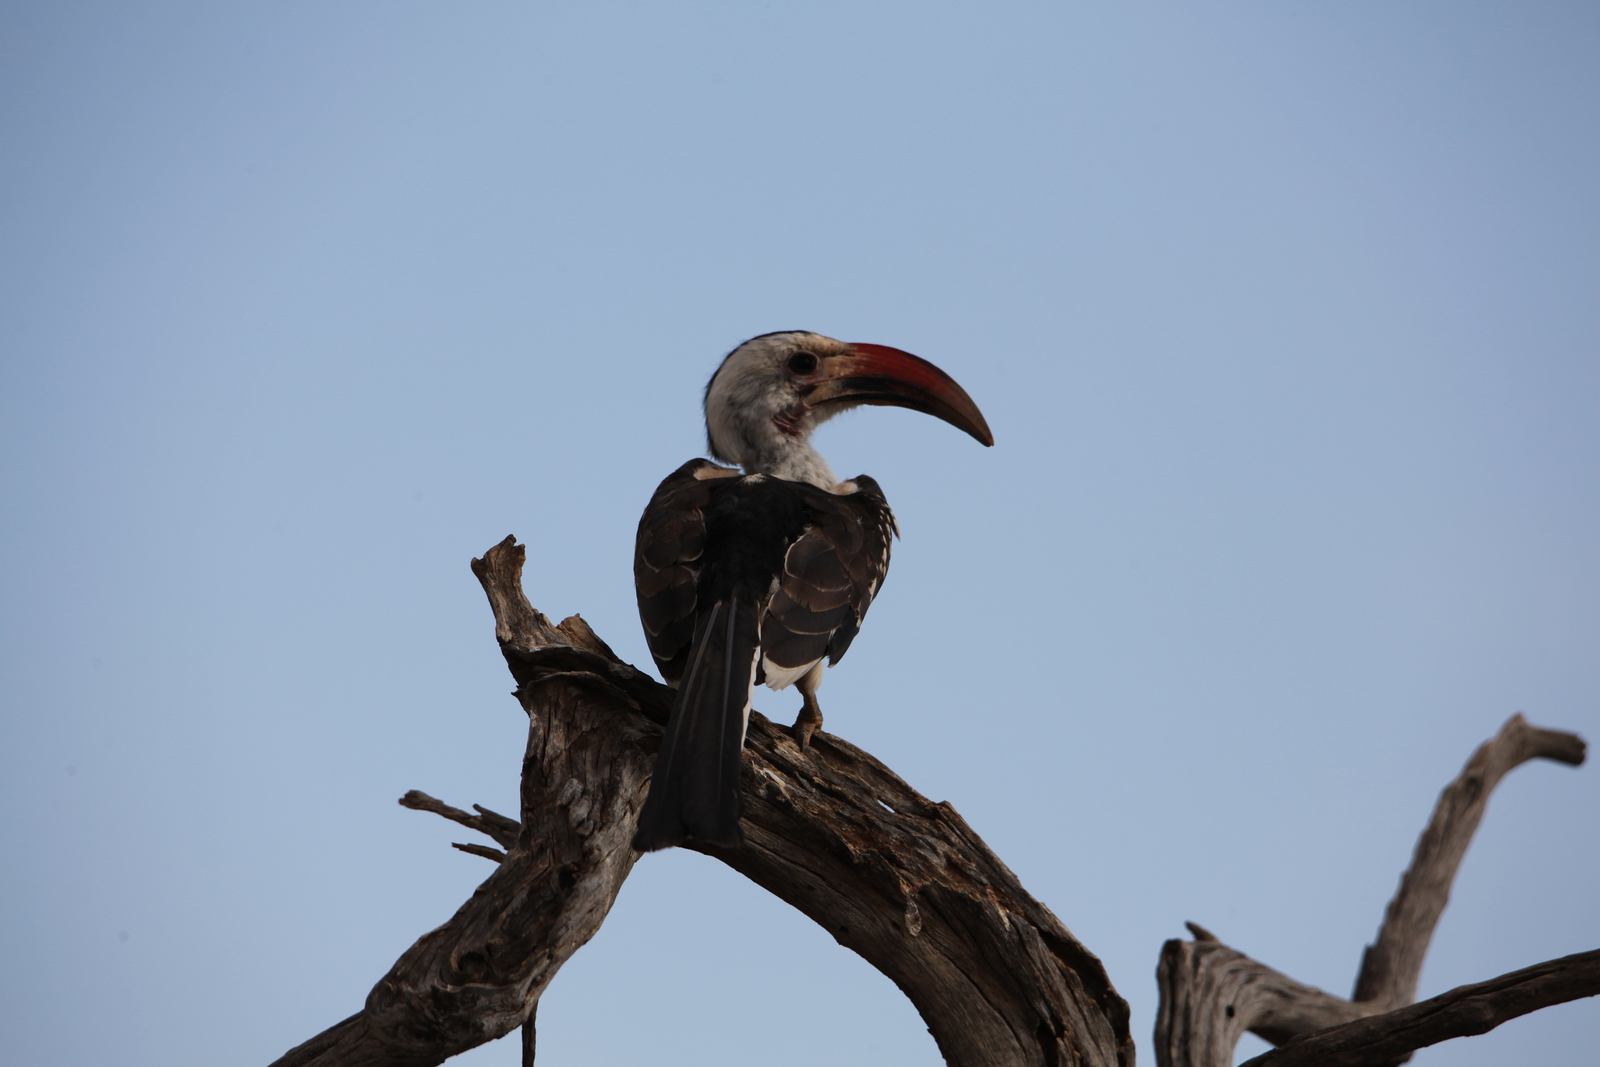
x: 808, y: 723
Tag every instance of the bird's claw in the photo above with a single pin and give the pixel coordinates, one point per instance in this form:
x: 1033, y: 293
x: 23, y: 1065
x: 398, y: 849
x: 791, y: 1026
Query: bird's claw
x: 805, y: 727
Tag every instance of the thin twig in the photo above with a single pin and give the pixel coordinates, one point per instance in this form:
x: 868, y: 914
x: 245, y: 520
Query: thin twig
x: 481, y: 850
x: 490, y: 823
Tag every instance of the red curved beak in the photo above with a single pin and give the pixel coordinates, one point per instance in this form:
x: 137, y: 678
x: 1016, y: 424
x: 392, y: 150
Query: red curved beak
x: 878, y: 374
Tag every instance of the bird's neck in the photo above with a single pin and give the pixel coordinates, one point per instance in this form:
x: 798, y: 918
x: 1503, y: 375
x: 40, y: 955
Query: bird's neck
x: 792, y: 459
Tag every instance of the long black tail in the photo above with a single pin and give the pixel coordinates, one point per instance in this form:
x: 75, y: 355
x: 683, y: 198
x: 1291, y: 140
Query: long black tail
x: 695, y: 791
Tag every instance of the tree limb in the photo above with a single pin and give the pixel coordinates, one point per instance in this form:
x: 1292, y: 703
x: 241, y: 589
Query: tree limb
x: 477, y: 977
x: 1391, y: 965
x: 897, y: 878
x: 1462, y: 1012
x: 1211, y: 994
x: 908, y: 885
x: 490, y: 823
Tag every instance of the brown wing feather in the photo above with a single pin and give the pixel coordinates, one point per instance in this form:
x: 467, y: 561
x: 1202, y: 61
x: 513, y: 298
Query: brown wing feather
x: 830, y: 575
x: 666, y: 561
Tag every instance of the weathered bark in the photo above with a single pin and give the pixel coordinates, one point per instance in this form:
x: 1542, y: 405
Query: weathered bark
x: 897, y: 878
x: 900, y: 880
x: 906, y: 883
x: 1462, y: 1012
x: 1391, y: 965
x: 1211, y: 994
x: 486, y: 822
x: 584, y: 771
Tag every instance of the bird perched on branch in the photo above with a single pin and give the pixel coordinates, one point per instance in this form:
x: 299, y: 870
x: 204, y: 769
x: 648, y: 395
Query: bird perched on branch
x: 764, y: 573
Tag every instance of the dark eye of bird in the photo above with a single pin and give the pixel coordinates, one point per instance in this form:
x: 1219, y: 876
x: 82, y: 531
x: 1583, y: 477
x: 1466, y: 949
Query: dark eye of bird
x: 802, y: 363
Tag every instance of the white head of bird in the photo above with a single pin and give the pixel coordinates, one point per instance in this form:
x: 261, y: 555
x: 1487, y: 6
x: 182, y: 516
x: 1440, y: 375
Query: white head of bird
x: 771, y: 392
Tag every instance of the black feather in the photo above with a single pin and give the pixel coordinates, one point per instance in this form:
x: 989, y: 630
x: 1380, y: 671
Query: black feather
x: 695, y: 791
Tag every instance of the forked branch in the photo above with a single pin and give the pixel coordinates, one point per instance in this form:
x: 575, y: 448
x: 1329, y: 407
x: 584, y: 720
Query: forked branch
x: 899, y: 879
x: 490, y: 823
x: 1462, y: 1012
x: 1211, y: 994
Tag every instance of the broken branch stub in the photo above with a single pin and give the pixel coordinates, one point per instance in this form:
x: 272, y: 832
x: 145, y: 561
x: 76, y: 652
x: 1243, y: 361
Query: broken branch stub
x: 1211, y: 994
x: 486, y: 822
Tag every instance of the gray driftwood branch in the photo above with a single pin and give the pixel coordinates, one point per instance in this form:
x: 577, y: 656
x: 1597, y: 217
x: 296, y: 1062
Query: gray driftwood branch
x: 1462, y: 1012
x: 901, y: 880
x: 1211, y: 994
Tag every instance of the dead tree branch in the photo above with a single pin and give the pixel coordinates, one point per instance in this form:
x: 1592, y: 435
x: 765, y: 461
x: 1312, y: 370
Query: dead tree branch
x: 895, y: 877
x: 1462, y: 1012
x: 1211, y: 994
x: 1391, y: 965
x: 477, y: 977
x: 490, y: 823
x: 900, y: 880
x: 906, y: 883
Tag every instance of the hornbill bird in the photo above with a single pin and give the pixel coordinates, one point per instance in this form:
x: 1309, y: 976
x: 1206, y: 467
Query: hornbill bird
x: 764, y: 572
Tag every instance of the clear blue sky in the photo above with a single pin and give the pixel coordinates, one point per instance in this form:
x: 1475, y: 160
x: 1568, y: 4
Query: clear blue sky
x: 1285, y: 318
